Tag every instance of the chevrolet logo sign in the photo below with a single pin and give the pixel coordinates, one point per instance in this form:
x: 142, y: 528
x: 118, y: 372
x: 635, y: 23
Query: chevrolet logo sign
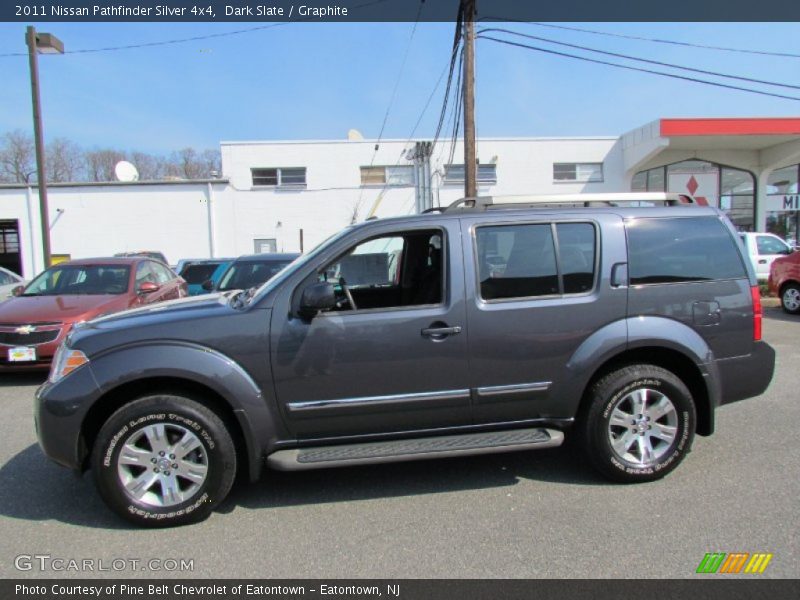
x: 25, y: 329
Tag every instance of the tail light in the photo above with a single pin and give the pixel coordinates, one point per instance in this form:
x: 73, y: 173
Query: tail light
x: 757, y: 313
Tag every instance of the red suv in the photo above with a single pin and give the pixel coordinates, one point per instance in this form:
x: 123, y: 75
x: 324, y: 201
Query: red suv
x: 784, y: 280
x: 35, y: 321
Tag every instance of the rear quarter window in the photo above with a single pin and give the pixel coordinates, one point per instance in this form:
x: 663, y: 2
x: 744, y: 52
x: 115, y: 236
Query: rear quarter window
x: 681, y: 250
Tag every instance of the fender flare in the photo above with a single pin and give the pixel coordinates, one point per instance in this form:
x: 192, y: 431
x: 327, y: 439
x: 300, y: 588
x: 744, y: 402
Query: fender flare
x: 198, y: 365
x: 640, y: 332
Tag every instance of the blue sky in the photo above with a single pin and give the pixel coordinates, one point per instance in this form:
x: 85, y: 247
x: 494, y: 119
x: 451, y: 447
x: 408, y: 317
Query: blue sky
x: 316, y: 81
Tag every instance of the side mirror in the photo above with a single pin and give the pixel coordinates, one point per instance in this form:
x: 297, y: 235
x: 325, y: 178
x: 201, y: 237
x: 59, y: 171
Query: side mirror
x: 148, y: 287
x: 207, y: 285
x: 317, y: 297
x: 17, y: 290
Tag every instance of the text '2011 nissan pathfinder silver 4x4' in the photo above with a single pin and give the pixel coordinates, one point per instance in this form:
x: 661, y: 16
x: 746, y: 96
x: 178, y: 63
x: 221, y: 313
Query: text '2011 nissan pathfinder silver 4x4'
x: 622, y: 320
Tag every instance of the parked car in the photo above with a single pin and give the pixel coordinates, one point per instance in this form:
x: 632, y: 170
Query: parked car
x: 155, y: 254
x: 487, y: 328
x: 784, y: 281
x: 198, y: 271
x: 35, y: 322
x: 762, y: 249
x: 8, y: 281
x: 249, y: 271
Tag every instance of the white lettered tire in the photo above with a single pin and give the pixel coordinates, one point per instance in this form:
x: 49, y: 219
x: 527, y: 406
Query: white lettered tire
x: 640, y: 423
x: 164, y: 460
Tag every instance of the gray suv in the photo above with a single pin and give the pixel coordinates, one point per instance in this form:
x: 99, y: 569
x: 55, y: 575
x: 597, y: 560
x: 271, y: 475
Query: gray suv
x: 620, y: 321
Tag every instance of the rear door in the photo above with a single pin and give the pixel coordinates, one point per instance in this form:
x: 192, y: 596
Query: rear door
x: 536, y: 290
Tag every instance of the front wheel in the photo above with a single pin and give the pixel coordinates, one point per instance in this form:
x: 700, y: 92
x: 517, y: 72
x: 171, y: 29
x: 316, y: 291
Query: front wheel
x: 164, y: 460
x: 790, y: 299
x: 640, y: 423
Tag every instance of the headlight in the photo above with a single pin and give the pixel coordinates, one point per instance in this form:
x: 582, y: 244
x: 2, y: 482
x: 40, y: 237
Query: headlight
x: 65, y: 362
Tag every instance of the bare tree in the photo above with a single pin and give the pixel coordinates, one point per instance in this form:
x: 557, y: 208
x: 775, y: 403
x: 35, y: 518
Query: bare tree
x: 150, y: 166
x: 17, y: 157
x: 211, y: 161
x: 100, y: 164
x: 65, y: 161
x: 187, y: 163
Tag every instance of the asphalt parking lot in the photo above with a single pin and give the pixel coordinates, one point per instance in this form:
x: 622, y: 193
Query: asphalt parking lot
x: 530, y: 514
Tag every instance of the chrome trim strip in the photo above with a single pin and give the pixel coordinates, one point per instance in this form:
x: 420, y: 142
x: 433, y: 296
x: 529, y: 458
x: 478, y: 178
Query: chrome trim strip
x: 313, y: 405
x: 520, y: 388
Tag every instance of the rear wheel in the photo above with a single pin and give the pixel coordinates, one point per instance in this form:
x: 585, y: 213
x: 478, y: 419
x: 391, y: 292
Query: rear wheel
x: 164, y: 460
x: 640, y: 423
x: 790, y: 298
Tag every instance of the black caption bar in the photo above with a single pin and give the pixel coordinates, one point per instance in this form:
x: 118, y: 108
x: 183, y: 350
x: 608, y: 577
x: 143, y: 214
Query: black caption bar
x: 406, y: 589
x: 397, y: 10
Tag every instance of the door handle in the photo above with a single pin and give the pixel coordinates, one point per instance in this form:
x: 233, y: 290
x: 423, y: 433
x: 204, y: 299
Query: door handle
x: 440, y: 332
x: 763, y: 261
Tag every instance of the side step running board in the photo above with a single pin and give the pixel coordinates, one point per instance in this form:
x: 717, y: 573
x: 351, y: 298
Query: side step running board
x: 298, y: 459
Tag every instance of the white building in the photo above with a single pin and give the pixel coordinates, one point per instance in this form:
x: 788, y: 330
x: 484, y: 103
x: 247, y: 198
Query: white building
x: 290, y: 195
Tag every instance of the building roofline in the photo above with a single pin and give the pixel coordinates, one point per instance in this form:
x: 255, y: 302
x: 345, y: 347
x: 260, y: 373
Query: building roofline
x: 408, y: 141
x: 74, y: 184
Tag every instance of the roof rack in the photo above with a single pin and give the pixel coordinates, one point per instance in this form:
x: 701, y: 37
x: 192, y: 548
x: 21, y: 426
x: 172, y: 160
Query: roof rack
x: 574, y: 200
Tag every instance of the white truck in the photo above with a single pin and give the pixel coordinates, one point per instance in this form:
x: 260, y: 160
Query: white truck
x: 762, y: 249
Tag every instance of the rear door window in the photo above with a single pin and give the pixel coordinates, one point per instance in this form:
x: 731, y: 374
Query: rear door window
x: 681, y: 250
x: 516, y: 261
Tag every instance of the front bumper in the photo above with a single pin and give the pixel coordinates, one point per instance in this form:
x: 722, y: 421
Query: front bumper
x: 747, y: 376
x: 59, y: 412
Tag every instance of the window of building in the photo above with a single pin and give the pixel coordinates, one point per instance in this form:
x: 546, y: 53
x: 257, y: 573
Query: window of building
x: 283, y: 176
x: 519, y: 261
x: 783, y: 217
x: 390, y: 176
x: 578, y: 172
x: 398, y: 270
x: 732, y: 190
x: 455, y: 173
x: 681, y: 250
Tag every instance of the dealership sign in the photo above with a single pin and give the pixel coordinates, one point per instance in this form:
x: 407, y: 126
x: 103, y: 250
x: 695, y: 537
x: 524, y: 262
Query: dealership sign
x: 782, y: 202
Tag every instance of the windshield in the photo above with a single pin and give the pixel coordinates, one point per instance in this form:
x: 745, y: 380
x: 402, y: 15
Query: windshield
x: 242, y: 275
x: 198, y: 272
x: 80, y: 279
x: 302, y: 260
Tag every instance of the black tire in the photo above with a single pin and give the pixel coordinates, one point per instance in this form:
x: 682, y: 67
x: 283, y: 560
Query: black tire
x: 790, y: 294
x: 187, y: 496
x: 601, y: 423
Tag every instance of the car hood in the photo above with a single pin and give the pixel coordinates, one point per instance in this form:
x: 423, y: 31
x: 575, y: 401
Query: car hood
x: 185, y: 319
x: 160, y: 311
x: 66, y: 309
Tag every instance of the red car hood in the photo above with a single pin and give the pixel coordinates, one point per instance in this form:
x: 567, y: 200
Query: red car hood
x: 66, y: 309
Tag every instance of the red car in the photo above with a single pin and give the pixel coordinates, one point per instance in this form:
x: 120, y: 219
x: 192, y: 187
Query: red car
x: 784, y: 280
x: 35, y: 321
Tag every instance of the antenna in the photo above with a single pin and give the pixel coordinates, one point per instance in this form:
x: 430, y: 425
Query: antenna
x: 125, y: 171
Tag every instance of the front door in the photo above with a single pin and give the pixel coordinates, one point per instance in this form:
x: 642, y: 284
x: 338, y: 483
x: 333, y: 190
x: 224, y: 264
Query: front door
x: 393, y: 355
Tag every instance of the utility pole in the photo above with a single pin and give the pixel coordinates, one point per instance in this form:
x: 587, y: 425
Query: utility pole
x: 49, y: 44
x: 470, y: 154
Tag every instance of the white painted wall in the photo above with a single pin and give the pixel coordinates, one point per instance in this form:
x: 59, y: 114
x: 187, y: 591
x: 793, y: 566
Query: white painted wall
x: 173, y: 217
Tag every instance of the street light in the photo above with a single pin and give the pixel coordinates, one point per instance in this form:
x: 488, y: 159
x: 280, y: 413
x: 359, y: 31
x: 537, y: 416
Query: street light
x: 44, y: 43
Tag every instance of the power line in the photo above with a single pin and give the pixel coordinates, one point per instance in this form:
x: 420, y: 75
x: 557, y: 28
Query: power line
x: 644, y: 60
x: 453, y: 56
x: 195, y: 38
x: 646, y: 39
x: 394, y: 94
x: 640, y: 69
